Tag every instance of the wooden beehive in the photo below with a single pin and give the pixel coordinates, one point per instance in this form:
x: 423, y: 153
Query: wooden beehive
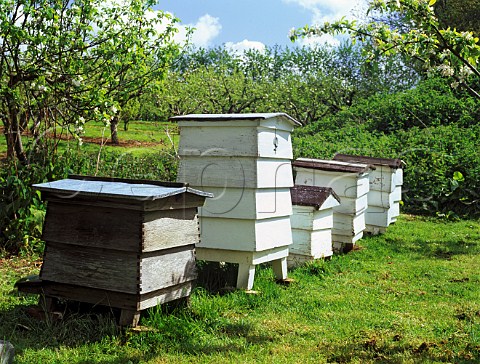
x: 245, y: 161
x: 312, y: 223
x: 350, y: 182
x: 122, y: 243
x: 385, y: 191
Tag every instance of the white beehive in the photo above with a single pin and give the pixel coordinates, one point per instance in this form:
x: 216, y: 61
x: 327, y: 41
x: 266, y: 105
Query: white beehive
x: 385, y: 190
x: 312, y: 223
x: 350, y: 182
x: 245, y: 161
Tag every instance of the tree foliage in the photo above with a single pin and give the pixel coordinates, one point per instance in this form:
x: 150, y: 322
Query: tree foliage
x: 445, y: 51
x: 66, y: 62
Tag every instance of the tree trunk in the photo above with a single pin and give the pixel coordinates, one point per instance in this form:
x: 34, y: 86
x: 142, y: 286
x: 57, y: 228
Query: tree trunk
x: 114, y: 130
x: 14, y: 135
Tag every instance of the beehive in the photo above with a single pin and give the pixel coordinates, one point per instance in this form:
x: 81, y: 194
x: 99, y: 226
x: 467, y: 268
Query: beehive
x: 312, y: 223
x: 245, y: 161
x: 350, y: 182
x: 122, y: 243
x: 385, y: 190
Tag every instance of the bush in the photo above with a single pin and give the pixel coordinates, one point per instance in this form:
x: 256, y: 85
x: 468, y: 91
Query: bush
x: 22, y: 210
x: 442, y: 163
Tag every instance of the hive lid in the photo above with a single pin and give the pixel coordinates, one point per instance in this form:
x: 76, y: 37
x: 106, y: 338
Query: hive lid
x: 389, y: 162
x: 333, y: 166
x: 230, y: 117
x: 116, y: 188
x: 312, y: 195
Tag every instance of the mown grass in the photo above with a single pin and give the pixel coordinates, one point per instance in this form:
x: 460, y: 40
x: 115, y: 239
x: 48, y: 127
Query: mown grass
x: 142, y: 137
x: 409, y: 296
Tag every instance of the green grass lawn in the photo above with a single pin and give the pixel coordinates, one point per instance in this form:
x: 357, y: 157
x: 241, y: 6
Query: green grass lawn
x: 409, y: 296
x: 142, y: 137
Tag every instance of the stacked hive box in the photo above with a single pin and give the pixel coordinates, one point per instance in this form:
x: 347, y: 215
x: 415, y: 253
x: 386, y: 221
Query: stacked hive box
x: 245, y: 161
x: 350, y: 182
x: 125, y: 244
x: 385, y: 190
x: 312, y: 223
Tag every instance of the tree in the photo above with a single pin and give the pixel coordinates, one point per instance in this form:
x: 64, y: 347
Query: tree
x: 66, y: 62
x: 462, y: 15
x: 448, y: 52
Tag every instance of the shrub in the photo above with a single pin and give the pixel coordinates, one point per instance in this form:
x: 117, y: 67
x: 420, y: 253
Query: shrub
x: 22, y: 210
x: 442, y: 163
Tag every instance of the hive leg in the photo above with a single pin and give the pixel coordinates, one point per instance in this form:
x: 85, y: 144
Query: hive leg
x: 246, y: 275
x: 129, y: 318
x: 280, y: 268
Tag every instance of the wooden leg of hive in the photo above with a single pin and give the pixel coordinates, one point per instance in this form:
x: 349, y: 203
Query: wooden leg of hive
x: 47, y: 303
x: 246, y: 275
x: 129, y: 318
x: 280, y: 268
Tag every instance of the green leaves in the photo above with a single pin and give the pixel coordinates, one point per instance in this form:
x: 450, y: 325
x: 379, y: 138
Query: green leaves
x: 417, y: 36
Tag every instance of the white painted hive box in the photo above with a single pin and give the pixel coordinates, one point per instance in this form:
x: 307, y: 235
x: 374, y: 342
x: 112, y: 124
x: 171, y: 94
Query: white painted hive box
x: 350, y: 181
x: 312, y: 223
x: 385, y: 190
x: 245, y: 161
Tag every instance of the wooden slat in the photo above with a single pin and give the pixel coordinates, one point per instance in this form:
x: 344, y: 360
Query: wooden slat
x: 113, y: 299
x: 247, y: 203
x: 169, y: 228
x: 172, y: 268
x: 390, y: 162
x: 245, y: 235
x: 241, y: 172
x: 89, y: 226
x: 111, y: 270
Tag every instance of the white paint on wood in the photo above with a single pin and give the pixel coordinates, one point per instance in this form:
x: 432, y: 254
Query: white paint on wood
x: 245, y: 235
x: 350, y: 205
x: 279, y: 267
x: 247, y: 262
x: 348, y: 225
x: 241, y: 172
x: 315, y: 244
x: 263, y: 138
x: 245, y: 276
x: 247, y: 203
x: 241, y: 257
x: 344, y: 239
x: 308, y: 218
x: 344, y: 184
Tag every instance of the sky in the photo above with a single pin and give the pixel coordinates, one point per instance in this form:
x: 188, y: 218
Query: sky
x: 244, y: 24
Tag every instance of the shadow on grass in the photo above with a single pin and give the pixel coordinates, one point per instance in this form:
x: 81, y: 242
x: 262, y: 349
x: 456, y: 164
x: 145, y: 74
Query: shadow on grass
x: 28, y: 327
x: 400, y: 352
x: 432, y: 248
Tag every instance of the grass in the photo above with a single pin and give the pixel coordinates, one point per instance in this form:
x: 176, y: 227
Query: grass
x: 142, y: 137
x: 409, y: 296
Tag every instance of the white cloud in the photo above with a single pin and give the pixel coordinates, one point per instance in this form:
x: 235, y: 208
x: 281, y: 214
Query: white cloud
x: 205, y: 30
x: 244, y: 45
x: 327, y: 11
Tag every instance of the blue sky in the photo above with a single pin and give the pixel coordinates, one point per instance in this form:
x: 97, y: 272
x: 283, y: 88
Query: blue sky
x: 242, y: 24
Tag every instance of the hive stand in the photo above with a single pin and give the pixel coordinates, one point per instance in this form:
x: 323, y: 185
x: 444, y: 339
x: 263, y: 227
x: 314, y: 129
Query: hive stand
x: 350, y: 182
x: 121, y: 243
x: 312, y: 223
x: 245, y: 161
x: 385, y: 191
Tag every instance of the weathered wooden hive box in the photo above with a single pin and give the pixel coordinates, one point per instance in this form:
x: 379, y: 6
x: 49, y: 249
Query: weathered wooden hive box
x: 350, y: 182
x: 122, y: 243
x: 245, y: 161
x: 312, y: 223
x: 385, y: 190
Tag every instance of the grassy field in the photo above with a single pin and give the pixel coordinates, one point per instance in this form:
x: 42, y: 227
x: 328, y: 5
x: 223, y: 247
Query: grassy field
x: 409, y: 296
x: 142, y: 137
